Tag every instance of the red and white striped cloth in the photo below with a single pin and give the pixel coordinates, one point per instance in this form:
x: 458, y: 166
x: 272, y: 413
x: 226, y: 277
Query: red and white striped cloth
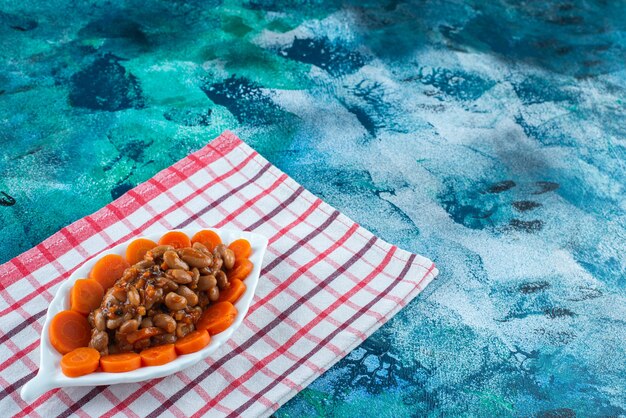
x: 326, y: 285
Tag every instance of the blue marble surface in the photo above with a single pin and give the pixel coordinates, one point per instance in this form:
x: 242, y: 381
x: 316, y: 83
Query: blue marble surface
x: 488, y: 136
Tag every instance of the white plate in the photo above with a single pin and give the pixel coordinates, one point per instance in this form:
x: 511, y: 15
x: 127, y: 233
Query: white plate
x: 50, y: 375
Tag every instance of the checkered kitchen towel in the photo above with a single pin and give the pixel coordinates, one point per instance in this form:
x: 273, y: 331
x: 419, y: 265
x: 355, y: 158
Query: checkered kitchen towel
x: 325, y: 286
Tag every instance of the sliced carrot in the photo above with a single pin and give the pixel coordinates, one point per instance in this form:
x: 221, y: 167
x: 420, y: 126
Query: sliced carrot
x: 69, y: 330
x: 233, y: 292
x: 79, y: 362
x: 192, y: 342
x: 137, y: 249
x: 209, y: 239
x: 108, y: 269
x: 120, y: 363
x: 156, y: 356
x: 176, y: 239
x: 216, y: 318
x: 143, y: 333
x: 241, y: 248
x: 86, y: 295
x: 241, y: 270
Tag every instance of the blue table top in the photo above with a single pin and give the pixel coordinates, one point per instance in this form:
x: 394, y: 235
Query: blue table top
x: 488, y: 136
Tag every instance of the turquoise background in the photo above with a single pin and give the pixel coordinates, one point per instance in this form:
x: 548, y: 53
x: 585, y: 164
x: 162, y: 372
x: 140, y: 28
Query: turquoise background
x: 487, y: 135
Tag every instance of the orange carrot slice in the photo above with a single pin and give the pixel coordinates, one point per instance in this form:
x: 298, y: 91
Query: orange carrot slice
x: 192, y: 342
x: 137, y: 249
x: 216, y: 318
x: 241, y: 270
x: 233, y: 292
x: 176, y: 239
x: 159, y: 355
x: 241, y: 248
x: 86, y: 295
x: 209, y: 239
x: 108, y: 269
x: 80, y: 361
x: 120, y: 363
x: 68, y: 331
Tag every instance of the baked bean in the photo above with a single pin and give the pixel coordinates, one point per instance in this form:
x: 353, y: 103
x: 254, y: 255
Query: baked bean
x: 108, y: 298
x: 195, y: 258
x: 98, y: 320
x: 214, y: 294
x: 219, y: 250
x: 183, y: 329
x: 144, y: 264
x: 165, y: 322
x: 217, y: 265
x: 99, y: 340
x: 115, y: 323
x: 175, y: 302
x: 222, y: 280
x: 158, y: 251
x: 179, y: 315
x: 190, y: 295
x: 90, y: 319
x: 195, y: 276
x: 112, y: 311
x: 229, y: 259
x: 152, y: 295
x: 166, y: 283
x: 146, y: 323
x: 173, y: 261
x: 179, y: 276
x: 201, y: 247
x: 129, y: 326
x: 227, y: 255
x: 133, y: 296
x: 207, y: 282
x: 195, y: 313
x: 129, y: 275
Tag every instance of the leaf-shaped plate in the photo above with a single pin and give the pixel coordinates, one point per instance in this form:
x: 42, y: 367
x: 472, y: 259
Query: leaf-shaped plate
x: 50, y: 375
